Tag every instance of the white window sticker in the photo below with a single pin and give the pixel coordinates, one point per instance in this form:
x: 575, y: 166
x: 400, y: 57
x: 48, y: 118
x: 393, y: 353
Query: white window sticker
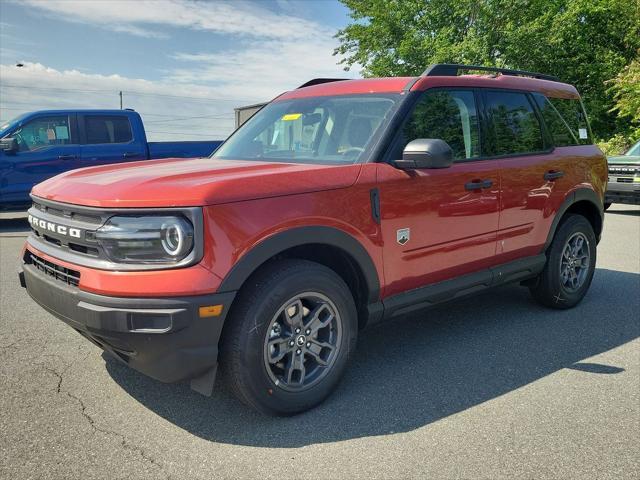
x: 62, y: 133
x: 582, y: 133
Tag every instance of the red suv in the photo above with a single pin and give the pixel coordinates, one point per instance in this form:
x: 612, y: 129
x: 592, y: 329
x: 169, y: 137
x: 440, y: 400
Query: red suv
x: 337, y: 206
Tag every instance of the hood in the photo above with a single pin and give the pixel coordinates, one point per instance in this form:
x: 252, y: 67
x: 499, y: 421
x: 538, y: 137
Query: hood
x: 624, y: 160
x: 198, y: 182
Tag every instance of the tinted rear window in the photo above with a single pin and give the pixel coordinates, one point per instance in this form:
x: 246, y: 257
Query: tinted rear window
x: 565, y: 119
x: 514, y: 124
x: 107, y: 129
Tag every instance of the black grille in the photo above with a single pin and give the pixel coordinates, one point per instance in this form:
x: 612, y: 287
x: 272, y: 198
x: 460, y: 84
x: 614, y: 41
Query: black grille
x: 68, y: 213
x: 66, y: 275
x: 615, y: 170
x: 54, y: 215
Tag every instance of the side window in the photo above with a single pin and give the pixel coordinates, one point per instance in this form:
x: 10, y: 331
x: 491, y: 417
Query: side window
x: 449, y: 115
x: 107, y: 129
x: 514, y: 124
x: 43, y: 132
x: 565, y: 119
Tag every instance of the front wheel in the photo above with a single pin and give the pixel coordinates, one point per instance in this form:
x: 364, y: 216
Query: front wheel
x: 290, y: 337
x: 571, y: 262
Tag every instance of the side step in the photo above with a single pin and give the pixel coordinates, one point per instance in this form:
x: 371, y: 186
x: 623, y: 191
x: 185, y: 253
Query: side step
x: 441, y: 292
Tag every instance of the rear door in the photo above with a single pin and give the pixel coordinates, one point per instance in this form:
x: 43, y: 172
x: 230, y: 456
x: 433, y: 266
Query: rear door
x: 438, y: 224
x: 47, y: 146
x: 108, y: 139
x: 535, y: 175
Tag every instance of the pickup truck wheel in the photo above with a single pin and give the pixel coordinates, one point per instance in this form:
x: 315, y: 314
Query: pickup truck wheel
x: 571, y: 261
x: 290, y: 337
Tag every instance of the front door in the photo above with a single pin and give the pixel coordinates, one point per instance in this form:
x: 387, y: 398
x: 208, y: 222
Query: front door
x: 439, y: 224
x: 47, y: 146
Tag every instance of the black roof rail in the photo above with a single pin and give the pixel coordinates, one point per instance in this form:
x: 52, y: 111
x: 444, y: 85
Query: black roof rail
x: 452, y: 69
x: 318, y: 81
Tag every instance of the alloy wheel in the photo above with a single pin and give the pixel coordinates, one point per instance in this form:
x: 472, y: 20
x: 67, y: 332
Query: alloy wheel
x: 302, y: 341
x: 575, y: 261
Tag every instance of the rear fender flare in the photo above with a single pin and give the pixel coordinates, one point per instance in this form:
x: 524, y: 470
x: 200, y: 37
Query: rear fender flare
x: 581, y: 194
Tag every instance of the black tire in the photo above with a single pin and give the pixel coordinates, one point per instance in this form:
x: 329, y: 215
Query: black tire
x: 550, y: 289
x: 607, y: 205
x: 245, y: 359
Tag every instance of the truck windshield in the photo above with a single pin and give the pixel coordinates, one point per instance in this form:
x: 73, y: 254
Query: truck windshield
x: 328, y: 130
x: 634, y: 151
x: 6, y: 126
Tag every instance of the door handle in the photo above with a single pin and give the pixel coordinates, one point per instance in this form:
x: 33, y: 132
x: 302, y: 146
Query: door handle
x: 131, y: 154
x: 66, y: 157
x: 553, y: 174
x: 478, y: 184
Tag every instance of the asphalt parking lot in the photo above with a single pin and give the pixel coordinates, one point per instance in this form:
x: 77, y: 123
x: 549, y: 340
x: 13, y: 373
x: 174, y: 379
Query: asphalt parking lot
x: 491, y: 387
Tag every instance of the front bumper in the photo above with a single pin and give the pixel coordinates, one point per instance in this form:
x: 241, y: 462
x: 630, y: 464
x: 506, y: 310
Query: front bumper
x: 164, y: 338
x: 623, y: 192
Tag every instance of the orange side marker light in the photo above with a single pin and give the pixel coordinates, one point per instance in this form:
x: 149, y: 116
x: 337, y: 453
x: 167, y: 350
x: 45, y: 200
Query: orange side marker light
x: 210, y: 311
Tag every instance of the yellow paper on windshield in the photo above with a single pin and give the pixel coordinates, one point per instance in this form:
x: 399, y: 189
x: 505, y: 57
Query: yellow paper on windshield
x: 291, y: 116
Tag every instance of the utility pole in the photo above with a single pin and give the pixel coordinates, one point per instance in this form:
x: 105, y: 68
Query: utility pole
x: 120, y: 99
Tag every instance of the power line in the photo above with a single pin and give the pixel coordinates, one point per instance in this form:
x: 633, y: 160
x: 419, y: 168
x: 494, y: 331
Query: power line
x: 208, y: 117
x: 171, y: 118
x: 129, y: 92
x: 14, y: 102
x: 144, y: 94
x: 31, y: 104
x: 54, y: 88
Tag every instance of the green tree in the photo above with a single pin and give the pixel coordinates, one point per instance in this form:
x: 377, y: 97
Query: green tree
x: 583, y: 42
x: 626, y: 92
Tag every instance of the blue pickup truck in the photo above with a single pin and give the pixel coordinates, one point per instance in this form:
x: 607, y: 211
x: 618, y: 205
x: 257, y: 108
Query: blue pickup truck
x: 39, y: 145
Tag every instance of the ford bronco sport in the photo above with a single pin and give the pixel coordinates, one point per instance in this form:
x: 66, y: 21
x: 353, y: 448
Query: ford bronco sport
x: 337, y: 206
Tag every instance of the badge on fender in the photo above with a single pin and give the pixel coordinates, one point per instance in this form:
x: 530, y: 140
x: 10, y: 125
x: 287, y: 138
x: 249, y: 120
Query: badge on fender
x: 403, y: 235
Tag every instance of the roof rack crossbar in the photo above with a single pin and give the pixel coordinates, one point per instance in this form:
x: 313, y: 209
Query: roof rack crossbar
x: 452, y: 69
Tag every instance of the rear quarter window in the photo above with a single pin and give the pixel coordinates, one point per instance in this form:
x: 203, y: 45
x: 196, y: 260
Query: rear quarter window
x: 565, y: 120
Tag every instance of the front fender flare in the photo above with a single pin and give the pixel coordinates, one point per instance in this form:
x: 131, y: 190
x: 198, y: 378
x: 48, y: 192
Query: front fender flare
x: 278, y: 243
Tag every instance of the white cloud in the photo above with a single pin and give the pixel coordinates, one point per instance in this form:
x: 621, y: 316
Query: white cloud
x: 265, y: 68
x: 270, y: 54
x: 37, y: 87
x: 237, y: 17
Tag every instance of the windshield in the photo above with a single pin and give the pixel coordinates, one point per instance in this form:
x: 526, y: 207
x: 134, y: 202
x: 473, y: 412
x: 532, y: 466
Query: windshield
x: 10, y: 124
x: 311, y: 130
x: 634, y: 151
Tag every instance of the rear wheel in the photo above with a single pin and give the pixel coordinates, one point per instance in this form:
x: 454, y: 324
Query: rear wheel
x: 570, y: 266
x: 289, y: 337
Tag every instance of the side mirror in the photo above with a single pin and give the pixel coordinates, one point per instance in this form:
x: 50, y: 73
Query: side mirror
x: 9, y: 145
x: 425, y: 153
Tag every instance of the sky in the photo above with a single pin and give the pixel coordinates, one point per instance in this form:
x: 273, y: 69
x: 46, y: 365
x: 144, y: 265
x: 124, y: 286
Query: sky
x: 184, y: 65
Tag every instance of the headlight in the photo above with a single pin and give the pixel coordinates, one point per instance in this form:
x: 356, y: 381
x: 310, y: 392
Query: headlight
x: 146, y: 239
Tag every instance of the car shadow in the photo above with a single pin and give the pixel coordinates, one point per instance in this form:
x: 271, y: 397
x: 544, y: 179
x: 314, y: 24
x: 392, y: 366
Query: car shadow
x: 14, y: 227
x: 412, y: 372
